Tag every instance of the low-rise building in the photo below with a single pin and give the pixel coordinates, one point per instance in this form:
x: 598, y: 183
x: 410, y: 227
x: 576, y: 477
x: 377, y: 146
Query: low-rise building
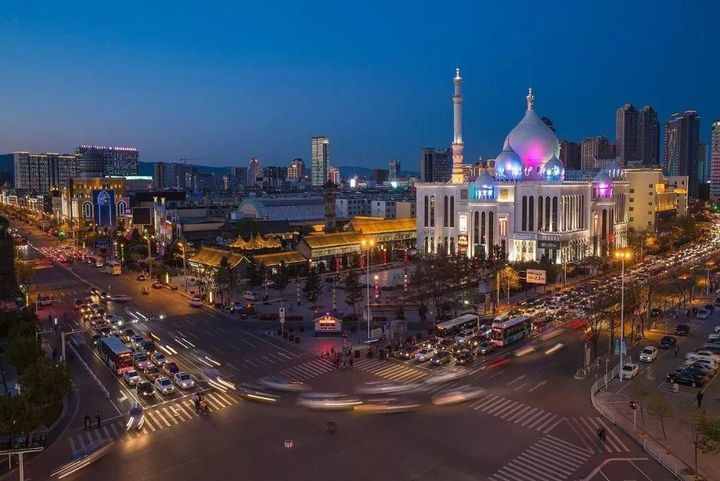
x: 653, y: 196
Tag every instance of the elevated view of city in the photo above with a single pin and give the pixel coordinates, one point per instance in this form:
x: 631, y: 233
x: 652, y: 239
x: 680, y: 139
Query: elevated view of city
x: 400, y: 241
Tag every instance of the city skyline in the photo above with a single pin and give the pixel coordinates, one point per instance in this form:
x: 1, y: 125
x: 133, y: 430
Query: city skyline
x: 223, y: 119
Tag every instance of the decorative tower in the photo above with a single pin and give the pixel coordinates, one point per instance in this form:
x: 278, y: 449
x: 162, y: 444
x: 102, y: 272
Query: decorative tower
x: 457, y: 145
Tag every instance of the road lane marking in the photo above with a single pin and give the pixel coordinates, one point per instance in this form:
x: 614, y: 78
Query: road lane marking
x: 519, y: 378
x: 537, y: 386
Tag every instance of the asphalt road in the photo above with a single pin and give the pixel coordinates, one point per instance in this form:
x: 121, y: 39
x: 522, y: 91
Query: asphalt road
x: 533, y: 422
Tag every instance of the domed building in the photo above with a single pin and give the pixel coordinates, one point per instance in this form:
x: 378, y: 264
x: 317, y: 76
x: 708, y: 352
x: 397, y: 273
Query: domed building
x: 526, y: 208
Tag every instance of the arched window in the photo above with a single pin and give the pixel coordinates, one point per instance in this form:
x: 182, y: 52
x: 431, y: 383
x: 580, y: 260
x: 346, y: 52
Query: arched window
x: 445, y: 211
x: 452, y: 211
x: 531, y: 213
x: 87, y: 210
x: 491, y: 229
x: 121, y: 208
x: 555, y: 214
x: 540, y: 213
x: 547, y: 213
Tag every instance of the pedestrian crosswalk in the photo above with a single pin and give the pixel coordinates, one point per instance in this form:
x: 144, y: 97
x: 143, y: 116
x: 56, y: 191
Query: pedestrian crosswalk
x: 548, y: 458
x: 155, y: 419
x: 518, y: 413
x: 587, y: 428
x: 391, y: 370
x: 308, y: 370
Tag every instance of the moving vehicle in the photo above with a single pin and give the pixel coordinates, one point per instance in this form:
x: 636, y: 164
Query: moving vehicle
x: 682, y: 330
x: 184, y: 380
x: 485, y: 348
x: 158, y: 358
x: 453, y: 327
x: 279, y: 383
x: 114, y: 268
x: 141, y: 277
x: 131, y: 377
x: 141, y: 361
x: 328, y: 401
x: 424, y: 355
x: 668, y: 342
x: 152, y: 372
x: 196, y: 302
x: 442, y: 357
x: 649, y: 354
x: 164, y: 385
x: 170, y: 368
x: 119, y: 298
x: 463, y: 357
x: 630, y: 370
x: 157, y: 285
x: 509, y: 331
x: 145, y: 389
x: 249, y: 296
x: 458, y: 395
x: 115, y: 354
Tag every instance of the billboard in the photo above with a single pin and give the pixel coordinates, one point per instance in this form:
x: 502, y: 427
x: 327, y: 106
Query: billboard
x: 104, y: 203
x: 536, y: 276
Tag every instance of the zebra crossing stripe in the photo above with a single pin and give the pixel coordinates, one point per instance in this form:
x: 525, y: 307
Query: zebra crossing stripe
x: 612, y: 440
x: 514, y: 471
x: 516, y: 412
x: 582, y: 431
x: 569, y: 450
x: 497, y: 406
x: 525, y: 415
x: 228, y: 399
x: 547, y: 423
x: 169, y: 415
x: 219, y: 400
x: 182, y: 410
x: 552, y: 426
x: 545, y: 471
x: 540, y: 419
x: 213, y: 402
x: 507, y: 409
x: 546, y: 462
x: 483, y: 401
x: 162, y: 418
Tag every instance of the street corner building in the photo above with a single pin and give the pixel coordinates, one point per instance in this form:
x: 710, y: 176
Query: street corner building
x: 523, y: 202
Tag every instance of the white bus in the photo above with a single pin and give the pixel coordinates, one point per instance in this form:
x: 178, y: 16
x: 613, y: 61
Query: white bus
x: 455, y: 326
x: 507, y: 331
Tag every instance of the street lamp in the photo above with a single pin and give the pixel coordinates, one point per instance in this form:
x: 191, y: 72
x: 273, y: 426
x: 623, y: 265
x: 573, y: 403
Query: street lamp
x: 367, y: 245
x: 623, y: 255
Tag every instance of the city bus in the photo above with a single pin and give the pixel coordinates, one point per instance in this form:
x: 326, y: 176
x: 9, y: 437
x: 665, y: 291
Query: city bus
x: 115, y: 354
x: 507, y: 331
x: 455, y: 326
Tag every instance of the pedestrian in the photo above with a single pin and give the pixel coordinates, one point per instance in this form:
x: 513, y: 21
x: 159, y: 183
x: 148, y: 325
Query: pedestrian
x: 699, y: 397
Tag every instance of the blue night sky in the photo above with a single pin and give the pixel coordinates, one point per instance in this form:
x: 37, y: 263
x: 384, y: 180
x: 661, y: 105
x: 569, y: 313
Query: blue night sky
x: 219, y: 82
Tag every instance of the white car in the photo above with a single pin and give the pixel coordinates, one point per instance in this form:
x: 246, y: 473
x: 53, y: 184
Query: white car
x: 702, y: 314
x: 164, y: 385
x: 649, y: 354
x: 278, y: 383
x: 328, y: 401
x: 184, y: 380
x: 459, y: 395
x: 196, y: 302
x: 703, y: 355
x: 131, y: 377
x: 630, y: 370
x: 249, y: 296
x: 424, y: 355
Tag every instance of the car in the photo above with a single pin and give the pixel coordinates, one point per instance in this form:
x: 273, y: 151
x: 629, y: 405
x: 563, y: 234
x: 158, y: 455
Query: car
x: 131, y: 377
x: 164, y: 385
x: 152, y: 372
x: 136, y: 341
x: 649, y: 354
x: 170, y: 368
x: 682, y: 330
x: 630, y: 370
x: 424, y: 354
x: 145, y: 389
x: 702, y: 314
x: 485, y: 348
x: 279, y: 383
x: 667, y: 342
x: 457, y: 395
x: 442, y: 357
x: 196, y: 302
x: 148, y: 346
x: 686, y: 377
x: 157, y: 285
x: 655, y: 312
x: 141, y: 277
x: 703, y: 354
x: 706, y: 367
x: 127, y: 335
x: 44, y: 301
x: 184, y: 380
x: 405, y: 354
x: 249, y: 296
x: 158, y: 358
x: 327, y: 401
x: 141, y: 361
x: 463, y: 357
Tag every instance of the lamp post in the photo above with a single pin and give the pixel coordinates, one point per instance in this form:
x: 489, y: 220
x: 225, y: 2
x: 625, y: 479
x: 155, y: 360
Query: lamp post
x: 367, y: 244
x: 623, y: 255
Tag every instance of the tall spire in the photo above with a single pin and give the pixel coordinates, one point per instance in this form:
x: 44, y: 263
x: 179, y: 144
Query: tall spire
x: 530, y: 99
x: 457, y: 145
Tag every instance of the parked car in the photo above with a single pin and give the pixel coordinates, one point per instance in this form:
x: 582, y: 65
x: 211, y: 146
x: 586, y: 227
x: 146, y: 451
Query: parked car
x: 141, y: 277
x: 649, y: 354
x: 667, y: 342
x: 157, y: 285
x: 630, y: 370
x: 687, y: 377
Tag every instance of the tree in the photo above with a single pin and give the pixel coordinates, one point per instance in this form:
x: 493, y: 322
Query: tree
x: 353, y: 290
x: 660, y: 408
x: 707, y: 435
x: 45, y: 384
x: 254, y: 273
x: 312, y: 285
x: 223, y: 278
x: 281, y: 277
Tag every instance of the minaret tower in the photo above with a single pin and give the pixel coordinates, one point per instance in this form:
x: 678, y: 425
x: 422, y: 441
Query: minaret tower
x: 457, y: 145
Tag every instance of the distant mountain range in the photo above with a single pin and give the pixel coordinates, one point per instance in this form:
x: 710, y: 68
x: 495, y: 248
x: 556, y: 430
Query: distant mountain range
x: 148, y: 168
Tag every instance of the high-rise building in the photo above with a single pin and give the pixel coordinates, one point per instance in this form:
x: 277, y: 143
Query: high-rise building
x: 570, y: 155
x: 379, y: 175
x: 703, y: 163
x: 160, y: 175
x: 296, y: 170
x: 333, y: 175
x: 320, y: 160
x: 274, y: 176
x: 97, y: 161
x: 627, y: 140
x: 682, y: 136
x: 649, y: 135
x: 393, y: 170
x: 715, y: 161
x: 595, y: 152
x: 238, y: 177
x: 435, y: 165
x: 253, y: 172
x: 41, y: 173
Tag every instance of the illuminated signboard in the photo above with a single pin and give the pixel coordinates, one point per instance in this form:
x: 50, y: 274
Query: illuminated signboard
x: 328, y: 324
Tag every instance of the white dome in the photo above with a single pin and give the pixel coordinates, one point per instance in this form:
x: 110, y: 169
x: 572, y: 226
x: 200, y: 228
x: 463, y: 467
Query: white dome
x: 508, y: 164
x: 532, y: 140
x: 554, y: 169
x: 484, y: 179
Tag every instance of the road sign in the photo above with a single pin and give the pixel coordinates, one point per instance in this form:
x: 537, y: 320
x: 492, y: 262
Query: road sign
x: 536, y: 276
